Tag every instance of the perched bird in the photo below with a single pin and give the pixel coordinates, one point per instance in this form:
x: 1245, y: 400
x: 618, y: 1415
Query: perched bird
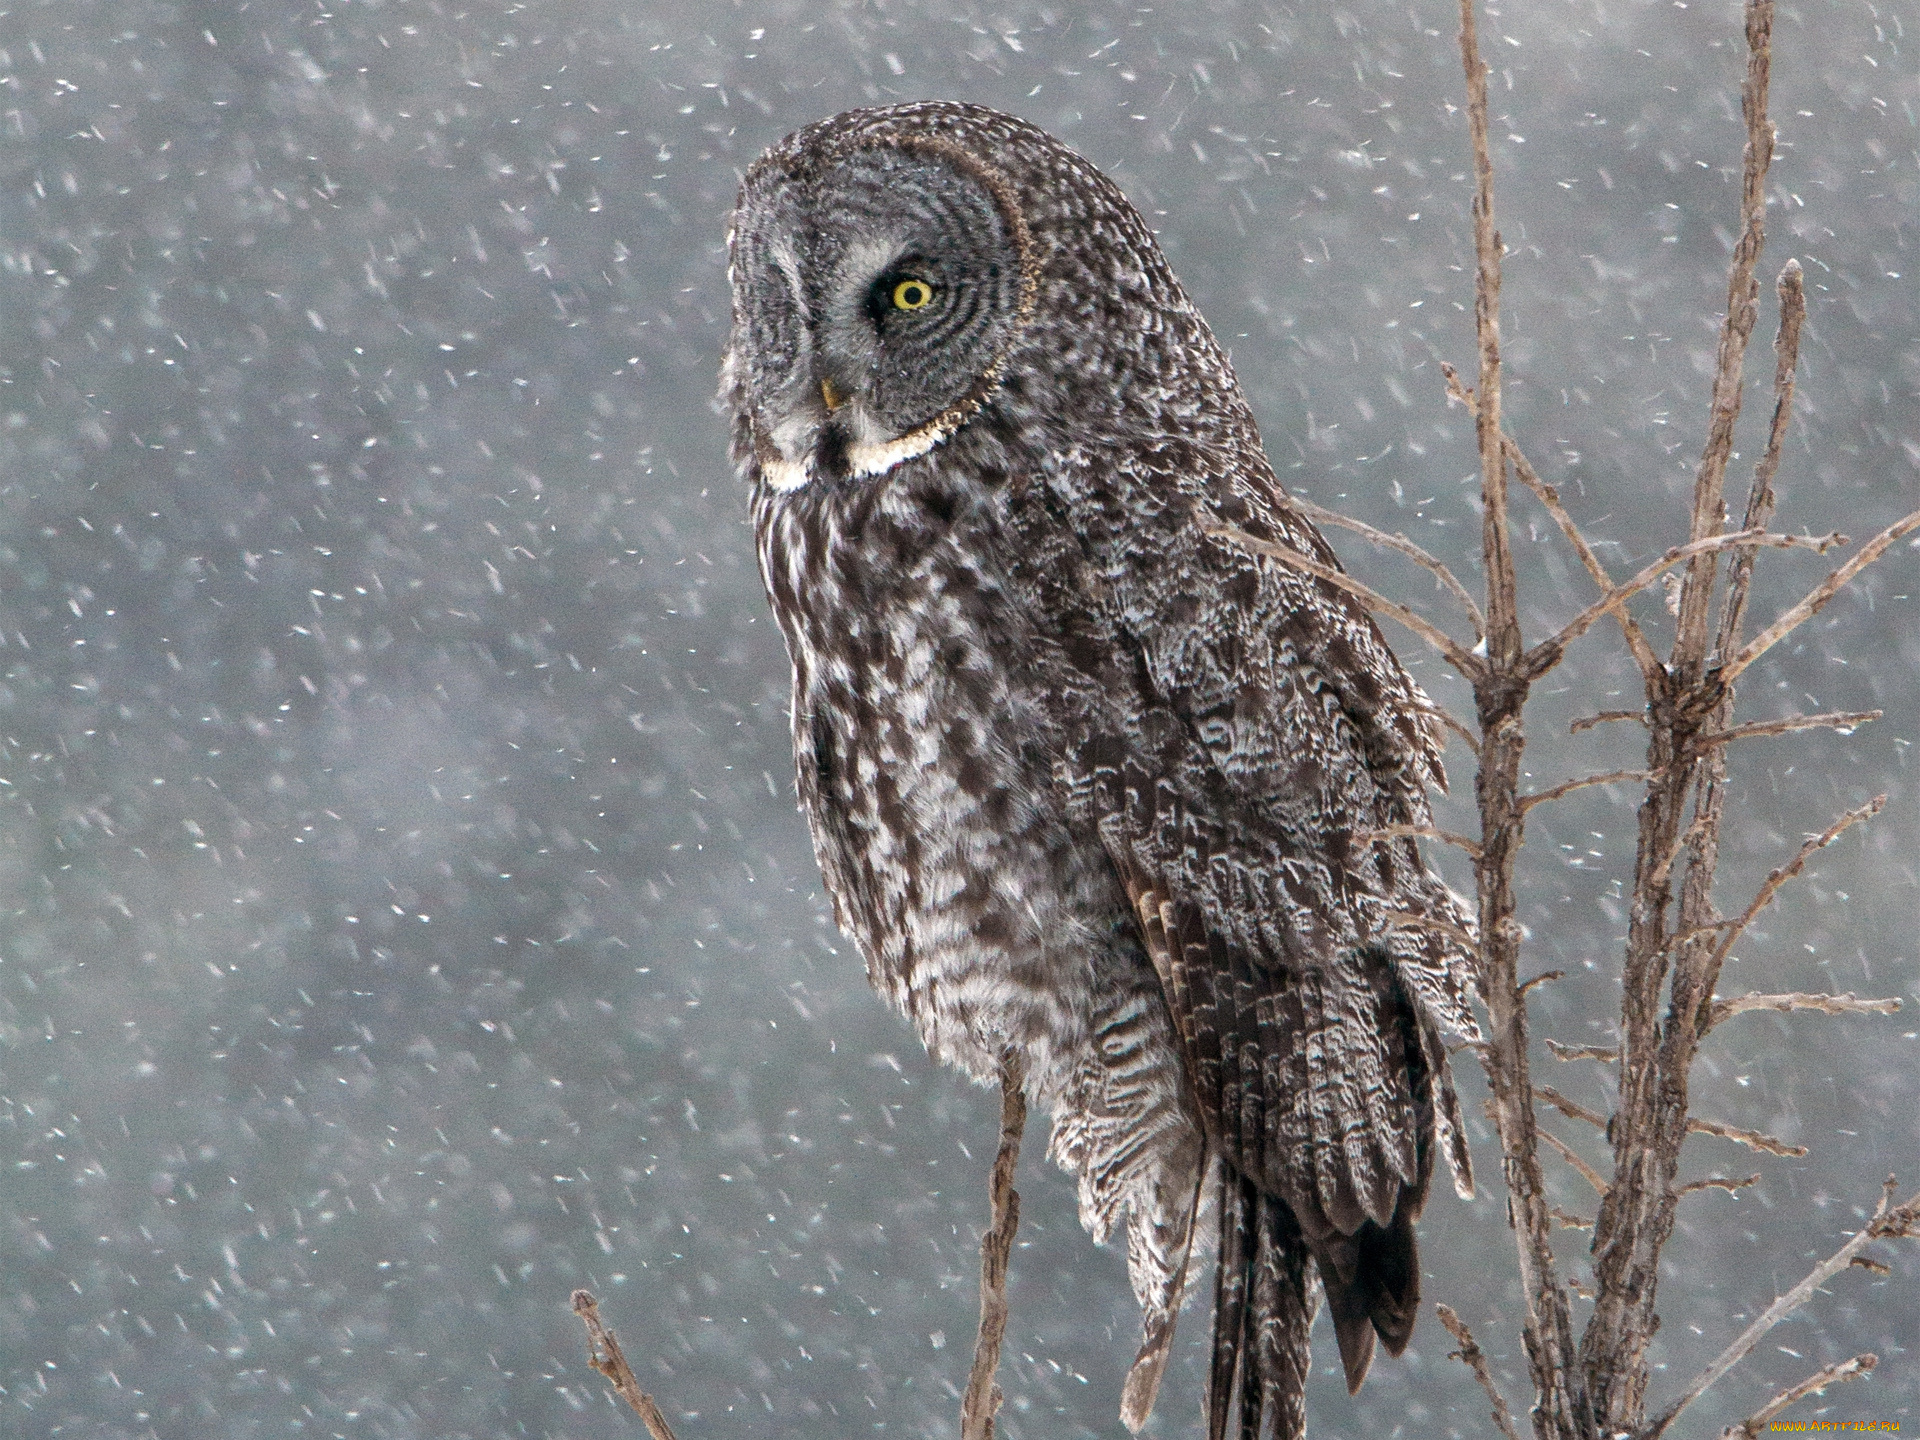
x: 1086, y: 776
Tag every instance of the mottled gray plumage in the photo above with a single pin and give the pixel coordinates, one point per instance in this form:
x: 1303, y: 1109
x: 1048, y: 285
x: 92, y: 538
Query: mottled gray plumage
x: 1084, y: 779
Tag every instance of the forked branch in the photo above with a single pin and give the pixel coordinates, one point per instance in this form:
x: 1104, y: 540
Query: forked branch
x: 1760, y: 499
x: 1776, y: 878
x: 1817, y: 599
x: 1885, y: 1224
x: 1545, y: 655
x: 1549, y: 497
x: 1743, y: 309
x: 1815, y: 1384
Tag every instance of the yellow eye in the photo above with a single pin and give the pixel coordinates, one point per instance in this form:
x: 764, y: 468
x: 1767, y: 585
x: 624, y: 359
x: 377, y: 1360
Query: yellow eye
x: 912, y: 295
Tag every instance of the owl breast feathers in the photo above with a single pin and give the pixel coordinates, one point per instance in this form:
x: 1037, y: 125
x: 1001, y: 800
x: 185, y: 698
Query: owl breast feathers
x: 1085, y: 776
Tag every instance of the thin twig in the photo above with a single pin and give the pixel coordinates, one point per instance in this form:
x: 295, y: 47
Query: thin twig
x: 1568, y: 1220
x: 1884, y: 1224
x: 983, y: 1396
x: 1716, y: 1182
x: 605, y: 1355
x: 1473, y: 740
x: 1815, y: 1384
x: 1550, y: 498
x: 1607, y: 1054
x: 1776, y: 878
x: 1572, y: 1157
x: 1417, y: 832
x: 1817, y: 599
x: 1543, y: 978
x: 1460, y: 657
x: 1847, y: 1004
x: 1587, y: 722
x: 1736, y: 328
x: 1540, y: 797
x: 1503, y: 619
x: 1760, y: 499
x: 1752, y: 1139
x: 1572, y: 1109
x: 1842, y: 720
x: 1475, y: 1359
x: 1546, y: 654
x: 1400, y: 543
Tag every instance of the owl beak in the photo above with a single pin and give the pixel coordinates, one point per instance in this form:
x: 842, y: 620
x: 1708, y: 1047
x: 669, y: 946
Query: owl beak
x: 832, y: 394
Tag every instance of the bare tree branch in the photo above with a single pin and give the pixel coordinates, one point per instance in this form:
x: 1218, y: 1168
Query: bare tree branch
x: 1775, y: 879
x: 1884, y: 1224
x: 1473, y: 740
x: 1549, y: 497
x: 1752, y: 1139
x: 1503, y: 622
x: 1815, y: 1384
x: 1736, y: 328
x: 1842, y: 720
x: 1572, y: 1109
x: 1540, y: 797
x: 1606, y: 1054
x: 1786, y: 350
x: 1847, y: 1004
x: 983, y: 1395
x: 1546, y: 654
x: 1716, y: 1182
x: 1417, y: 832
x: 1462, y: 660
x: 1573, y: 1158
x: 605, y: 1355
x: 1817, y: 599
x: 1587, y: 722
x: 1570, y: 1221
x: 1400, y: 543
x: 1500, y: 691
x: 1475, y: 1359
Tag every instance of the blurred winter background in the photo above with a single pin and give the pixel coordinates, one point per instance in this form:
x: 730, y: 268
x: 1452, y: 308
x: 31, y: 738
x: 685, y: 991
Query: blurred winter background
x: 406, y: 919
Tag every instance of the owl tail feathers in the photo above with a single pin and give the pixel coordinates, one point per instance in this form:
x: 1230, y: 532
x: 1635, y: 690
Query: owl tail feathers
x: 1143, y: 1377
x: 1372, y: 1280
x: 1262, y: 1313
x: 1142, y: 1386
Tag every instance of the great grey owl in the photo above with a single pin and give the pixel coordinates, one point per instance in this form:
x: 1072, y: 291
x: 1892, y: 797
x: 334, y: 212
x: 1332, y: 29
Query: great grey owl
x: 1085, y: 776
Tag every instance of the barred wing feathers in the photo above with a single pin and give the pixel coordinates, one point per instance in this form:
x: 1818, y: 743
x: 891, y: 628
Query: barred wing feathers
x: 1235, y: 727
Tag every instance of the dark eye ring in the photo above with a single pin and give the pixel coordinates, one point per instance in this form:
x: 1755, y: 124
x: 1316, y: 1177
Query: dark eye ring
x: 912, y: 293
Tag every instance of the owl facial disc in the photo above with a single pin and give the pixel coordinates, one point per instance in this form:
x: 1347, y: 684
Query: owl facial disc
x: 877, y: 286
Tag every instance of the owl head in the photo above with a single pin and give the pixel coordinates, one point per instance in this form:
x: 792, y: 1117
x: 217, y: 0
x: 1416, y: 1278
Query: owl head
x: 896, y: 270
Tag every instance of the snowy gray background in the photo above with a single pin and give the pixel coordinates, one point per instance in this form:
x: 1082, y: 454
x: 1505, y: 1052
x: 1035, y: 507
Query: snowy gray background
x: 406, y: 918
